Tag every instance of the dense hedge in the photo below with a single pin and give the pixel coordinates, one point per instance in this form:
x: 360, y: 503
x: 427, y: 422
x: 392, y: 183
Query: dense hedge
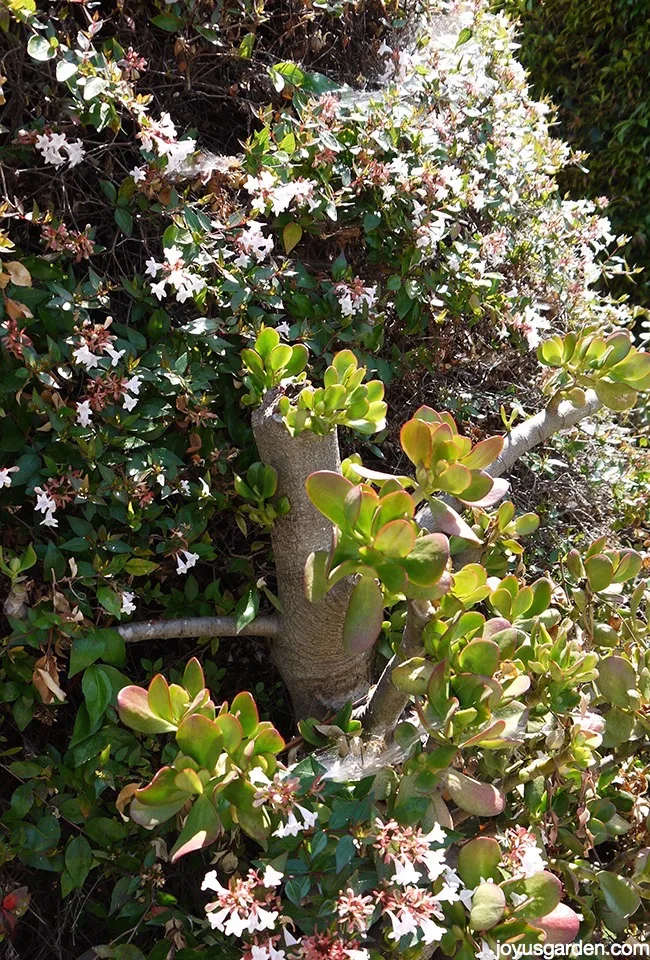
x: 592, y: 60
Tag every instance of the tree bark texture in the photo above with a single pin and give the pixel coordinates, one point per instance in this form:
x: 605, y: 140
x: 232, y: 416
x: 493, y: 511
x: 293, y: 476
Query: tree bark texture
x: 308, y: 650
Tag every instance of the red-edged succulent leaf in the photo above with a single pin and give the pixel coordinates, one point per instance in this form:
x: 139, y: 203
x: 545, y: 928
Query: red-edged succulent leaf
x: 395, y: 539
x: 201, y: 828
x: 201, y: 739
x: 560, y: 926
x: 450, y: 522
x: 245, y: 709
x: 159, y: 699
x: 133, y: 708
x: 427, y: 414
x: 398, y: 505
x: 268, y: 740
x: 480, y: 656
x: 427, y: 560
x: 162, y: 789
x: 327, y: 491
x: 193, y: 678
x: 456, y: 479
x: 364, y: 616
x: 496, y: 490
x: 415, y: 437
x: 484, y: 453
x: 231, y: 731
x: 150, y: 817
x: 479, y: 799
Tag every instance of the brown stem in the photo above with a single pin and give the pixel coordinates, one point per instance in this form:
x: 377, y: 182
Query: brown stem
x: 308, y: 651
x: 198, y: 627
x: 386, y: 703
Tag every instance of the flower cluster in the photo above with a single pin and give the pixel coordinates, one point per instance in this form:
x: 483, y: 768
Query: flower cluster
x: 50, y: 146
x: 176, y: 274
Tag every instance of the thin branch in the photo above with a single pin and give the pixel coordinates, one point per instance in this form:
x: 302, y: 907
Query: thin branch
x: 540, y: 428
x: 531, y: 433
x: 268, y: 626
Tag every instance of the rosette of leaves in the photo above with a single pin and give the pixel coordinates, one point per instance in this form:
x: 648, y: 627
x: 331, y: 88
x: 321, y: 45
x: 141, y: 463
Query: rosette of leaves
x: 375, y: 537
x: 209, y: 779
x: 270, y: 363
x: 343, y: 400
x: 611, y: 366
x: 259, y: 489
x: 448, y: 463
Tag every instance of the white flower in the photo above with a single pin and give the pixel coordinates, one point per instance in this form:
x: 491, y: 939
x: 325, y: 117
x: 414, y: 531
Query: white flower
x: 160, y: 478
x: 518, y: 898
x: 128, y: 602
x: 139, y: 174
x: 432, y: 931
x: 486, y: 952
x: 152, y: 267
x: 293, y: 826
x: 185, y: 487
x: 44, y: 502
x: 272, y: 877
x: 283, y: 329
x: 84, y: 414
x: 437, y: 835
x: 115, y: 355
x: 133, y: 385
x: 83, y: 355
x: 205, y: 489
x: 158, y: 289
x: 50, y: 146
x: 5, y: 479
x: 405, y: 874
x: 130, y: 402
x: 76, y: 152
x: 184, y: 565
x: 49, y: 520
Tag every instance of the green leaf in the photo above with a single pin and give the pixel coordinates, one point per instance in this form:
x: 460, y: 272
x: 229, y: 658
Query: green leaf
x: 345, y: 851
x: 364, y: 616
x: 201, y: 739
x: 97, y: 690
x: 327, y: 490
x: 291, y: 236
x: 620, y: 896
x: 201, y: 828
x: 53, y: 564
x: 124, y: 220
x: 600, y: 571
x: 244, y: 709
x: 479, y: 860
x: 168, y: 22
x: 427, y: 560
x: 246, y: 609
x: 543, y: 892
x: 78, y: 860
x: 140, y: 568
x: 109, y: 600
x: 93, y: 87
x: 480, y: 656
x: 617, y: 681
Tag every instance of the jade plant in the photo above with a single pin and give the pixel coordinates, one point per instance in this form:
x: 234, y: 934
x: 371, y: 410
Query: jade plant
x: 219, y: 749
